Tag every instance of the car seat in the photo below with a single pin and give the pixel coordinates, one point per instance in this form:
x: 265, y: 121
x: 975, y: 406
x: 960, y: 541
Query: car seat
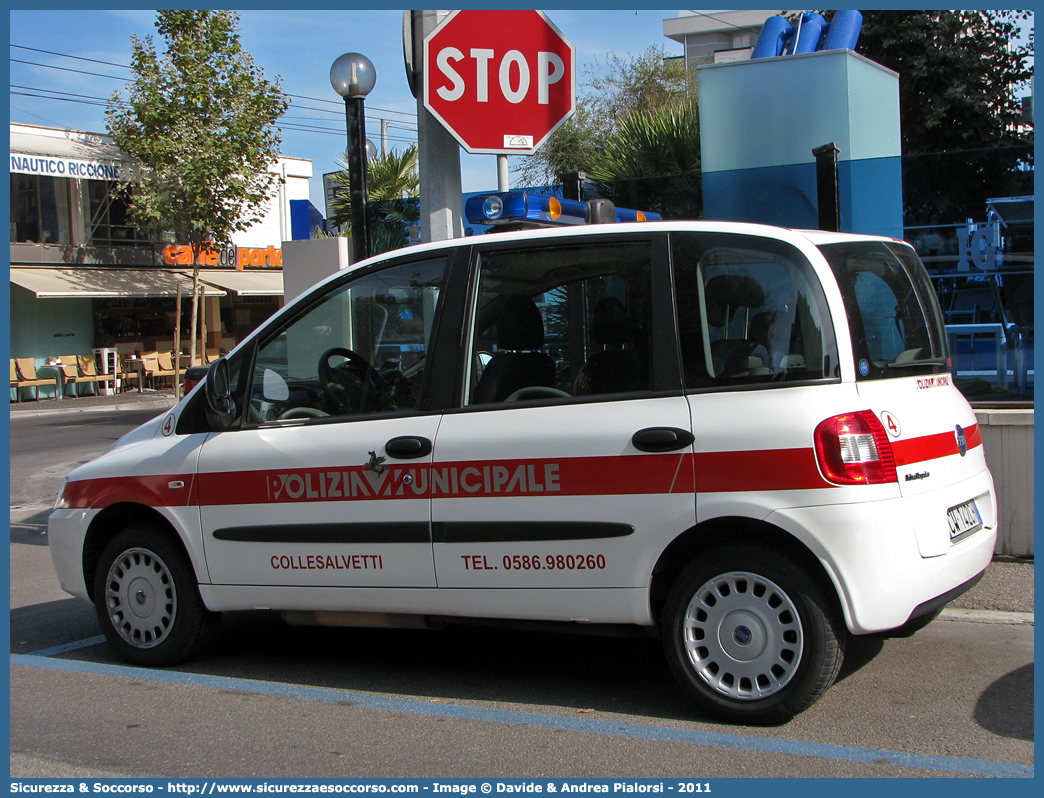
x: 725, y: 295
x: 517, y: 363
x: 616, y: 368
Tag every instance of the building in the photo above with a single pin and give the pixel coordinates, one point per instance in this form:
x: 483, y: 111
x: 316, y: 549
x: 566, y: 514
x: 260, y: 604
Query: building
x: 714, y: 37
x: 84, y: 278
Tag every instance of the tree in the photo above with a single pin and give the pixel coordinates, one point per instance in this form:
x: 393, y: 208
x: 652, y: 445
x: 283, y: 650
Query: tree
x: 958, y: 72
x: 199, y: 121
x: 643, y: 84
x: 392, y: 182
x: 652, y: 162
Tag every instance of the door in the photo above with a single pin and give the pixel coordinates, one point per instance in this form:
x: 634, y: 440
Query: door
x: 323, y: 483
x: 760, y: 366
x: 569, y: 463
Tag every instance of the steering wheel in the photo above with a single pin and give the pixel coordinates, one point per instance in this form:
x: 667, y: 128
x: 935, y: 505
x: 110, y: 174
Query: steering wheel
x: 536, y: 392
x: 303, y: 412
x: 351, y: 385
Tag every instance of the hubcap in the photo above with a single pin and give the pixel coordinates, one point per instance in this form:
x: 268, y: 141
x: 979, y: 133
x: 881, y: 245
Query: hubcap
x: 743, y: 636
x: 141, y: 599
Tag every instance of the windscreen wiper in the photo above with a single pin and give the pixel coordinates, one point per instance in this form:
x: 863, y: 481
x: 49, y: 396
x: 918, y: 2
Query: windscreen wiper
x: 928, y: 361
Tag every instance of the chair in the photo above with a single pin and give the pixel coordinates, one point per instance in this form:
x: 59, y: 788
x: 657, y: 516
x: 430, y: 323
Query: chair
x: 71, y: 374
x: 162, y: 365
x: 725, y: 295
x: 23, y: 375
x: 971, y: 306
x: 615, y: 368
x: 149, y: 365
x: 518, y: 363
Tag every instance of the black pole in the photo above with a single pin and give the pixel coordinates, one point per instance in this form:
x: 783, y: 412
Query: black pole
x: 572, y: 185
x: 358, y: 189
x: 827, y: 187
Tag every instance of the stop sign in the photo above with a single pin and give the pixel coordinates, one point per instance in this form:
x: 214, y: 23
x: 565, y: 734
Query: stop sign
x: 499, y: 81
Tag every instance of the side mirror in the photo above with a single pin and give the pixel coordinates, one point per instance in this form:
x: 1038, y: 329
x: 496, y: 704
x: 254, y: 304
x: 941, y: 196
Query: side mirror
x: 221, y: 410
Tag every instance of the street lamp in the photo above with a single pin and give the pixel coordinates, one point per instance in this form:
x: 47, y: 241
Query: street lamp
x: 353, y: 77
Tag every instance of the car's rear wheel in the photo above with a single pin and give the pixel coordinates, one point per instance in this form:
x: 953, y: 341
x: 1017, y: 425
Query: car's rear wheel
x: 147, y: 599
x: 751, y: 637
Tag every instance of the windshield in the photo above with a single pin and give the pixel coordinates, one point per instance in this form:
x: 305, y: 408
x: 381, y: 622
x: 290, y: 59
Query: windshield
x: 893, y: 314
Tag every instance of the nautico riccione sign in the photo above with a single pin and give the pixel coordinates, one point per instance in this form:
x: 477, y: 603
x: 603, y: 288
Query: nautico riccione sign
x: 54, y: 166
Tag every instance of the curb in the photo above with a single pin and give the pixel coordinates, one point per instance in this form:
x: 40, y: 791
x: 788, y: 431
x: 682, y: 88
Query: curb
x: 156, y: 404
x: 986, y: 616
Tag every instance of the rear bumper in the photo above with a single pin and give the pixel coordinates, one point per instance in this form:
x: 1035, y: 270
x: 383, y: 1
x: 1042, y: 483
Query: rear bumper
x: 881, y: 573
x: 937, y: 603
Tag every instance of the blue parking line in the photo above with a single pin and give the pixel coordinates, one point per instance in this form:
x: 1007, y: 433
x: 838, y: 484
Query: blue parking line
x: 67, y: 647
x: 972, y: 767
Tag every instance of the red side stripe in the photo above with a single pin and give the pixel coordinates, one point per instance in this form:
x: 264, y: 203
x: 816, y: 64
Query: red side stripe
x: 771, y: 469
x: 152, y: 491
x: 932, y: 447
x: 715, y: 472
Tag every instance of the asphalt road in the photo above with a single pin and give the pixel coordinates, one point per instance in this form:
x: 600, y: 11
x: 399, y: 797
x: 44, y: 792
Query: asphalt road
x: 270, y: 700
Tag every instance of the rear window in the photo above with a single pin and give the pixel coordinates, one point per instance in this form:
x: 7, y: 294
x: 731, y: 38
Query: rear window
x: 892, y: 311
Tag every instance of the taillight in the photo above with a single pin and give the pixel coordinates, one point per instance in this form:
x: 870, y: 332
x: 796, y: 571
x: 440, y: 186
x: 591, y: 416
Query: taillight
x: 853, y: 449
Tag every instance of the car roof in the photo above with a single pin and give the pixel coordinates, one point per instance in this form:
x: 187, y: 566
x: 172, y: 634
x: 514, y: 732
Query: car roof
x: 816, y: 237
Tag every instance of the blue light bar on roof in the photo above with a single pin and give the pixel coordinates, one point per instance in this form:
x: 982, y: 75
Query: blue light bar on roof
x: 516, y: 207
x: 627, y: 215
x: 529, y: 209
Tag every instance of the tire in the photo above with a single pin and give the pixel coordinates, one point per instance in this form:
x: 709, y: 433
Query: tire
x: 750, y: 637
x: 147, y: 599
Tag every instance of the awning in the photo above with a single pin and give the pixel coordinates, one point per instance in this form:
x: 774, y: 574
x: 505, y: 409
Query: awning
x: 66, y: 145
x: 243, y: 283
x: 87, y: 282
x: 1012, y: 209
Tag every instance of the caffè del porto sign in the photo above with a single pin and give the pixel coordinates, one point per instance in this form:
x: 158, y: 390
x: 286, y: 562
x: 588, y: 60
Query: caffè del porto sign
x: 232, y: 257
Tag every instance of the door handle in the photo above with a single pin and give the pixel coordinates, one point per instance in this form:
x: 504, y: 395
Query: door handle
x: 407, y: 447
x: 661, y: 439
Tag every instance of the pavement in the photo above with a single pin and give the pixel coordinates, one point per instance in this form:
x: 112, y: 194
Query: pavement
x: 1005, y: 594
x: 127, y: 400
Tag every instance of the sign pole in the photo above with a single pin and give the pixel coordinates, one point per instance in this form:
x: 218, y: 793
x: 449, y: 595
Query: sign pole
x: 438, y: 158
x: 502, y: 172
x: 177, y: 342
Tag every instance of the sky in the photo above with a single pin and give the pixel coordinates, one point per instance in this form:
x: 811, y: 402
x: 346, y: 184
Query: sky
x: 297, y: 46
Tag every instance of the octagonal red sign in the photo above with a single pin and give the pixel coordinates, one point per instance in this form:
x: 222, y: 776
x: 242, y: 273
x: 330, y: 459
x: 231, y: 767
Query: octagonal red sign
x: 499, y: 81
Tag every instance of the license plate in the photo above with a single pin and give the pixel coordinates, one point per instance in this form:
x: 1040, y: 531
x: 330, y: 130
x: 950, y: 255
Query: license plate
x: 963, y: 518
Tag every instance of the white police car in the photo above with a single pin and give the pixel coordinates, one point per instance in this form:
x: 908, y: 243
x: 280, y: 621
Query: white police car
x: 744, y: 439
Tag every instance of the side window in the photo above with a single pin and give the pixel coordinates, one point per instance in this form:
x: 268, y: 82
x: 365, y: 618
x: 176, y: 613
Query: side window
x: 750, y: 311
x: 358, y: 349
x: 561, y: 322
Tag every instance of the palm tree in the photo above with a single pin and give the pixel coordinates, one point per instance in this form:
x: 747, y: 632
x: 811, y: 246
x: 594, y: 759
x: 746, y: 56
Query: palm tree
x: 657, y: 143
x: 652, y: 162
x: 393, y: 184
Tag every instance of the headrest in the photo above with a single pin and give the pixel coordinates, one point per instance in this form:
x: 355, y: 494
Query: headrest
x: 731, y: 291
x: 520, y: 327
x: 610, y: 323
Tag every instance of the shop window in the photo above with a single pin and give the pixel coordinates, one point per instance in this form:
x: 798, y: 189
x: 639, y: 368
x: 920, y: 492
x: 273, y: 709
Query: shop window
x: 40, y: 210
x: 108, y: 215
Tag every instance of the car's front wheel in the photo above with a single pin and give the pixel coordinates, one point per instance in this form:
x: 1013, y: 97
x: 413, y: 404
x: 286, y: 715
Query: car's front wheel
x: 147, y: 599
x: 750, y: 636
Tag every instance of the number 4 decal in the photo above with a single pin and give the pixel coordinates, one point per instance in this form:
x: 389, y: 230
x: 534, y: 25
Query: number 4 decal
x: 891, y: 424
